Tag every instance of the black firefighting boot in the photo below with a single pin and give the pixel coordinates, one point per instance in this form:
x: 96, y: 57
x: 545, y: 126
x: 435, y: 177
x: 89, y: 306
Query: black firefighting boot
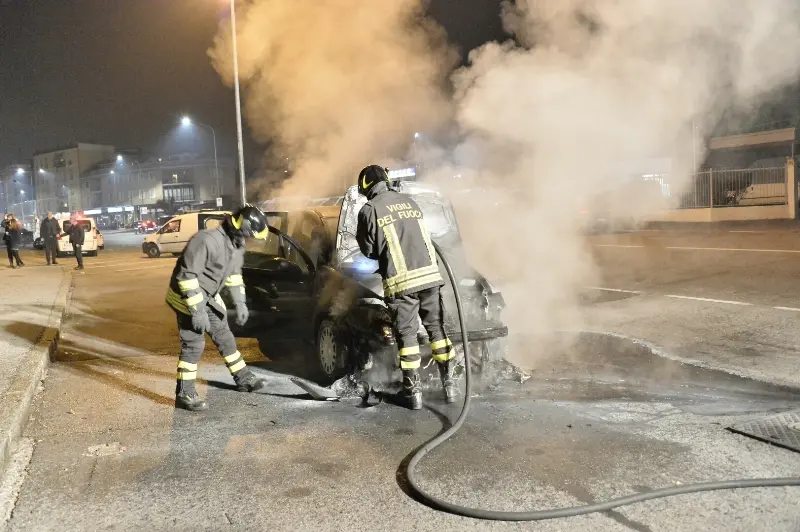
x: 246, y: 381
x: 412, y: 390
x: 186, y: 397
x: 448, y: 384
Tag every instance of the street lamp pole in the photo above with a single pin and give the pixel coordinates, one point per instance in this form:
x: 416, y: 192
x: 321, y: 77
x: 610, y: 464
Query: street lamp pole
x: 188, y: 121
x: 238, y: 101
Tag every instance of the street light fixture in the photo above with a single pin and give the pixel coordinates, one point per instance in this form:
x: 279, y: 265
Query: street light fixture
x: 186, y: 122
x: 119, y: 158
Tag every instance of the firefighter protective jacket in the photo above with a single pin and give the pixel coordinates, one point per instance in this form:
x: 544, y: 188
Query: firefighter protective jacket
x: 209, y: 263
x: 391, y: 230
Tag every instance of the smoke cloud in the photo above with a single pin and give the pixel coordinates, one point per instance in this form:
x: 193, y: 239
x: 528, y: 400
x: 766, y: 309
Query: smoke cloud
x: 588, y: 94
x: 336, y: 85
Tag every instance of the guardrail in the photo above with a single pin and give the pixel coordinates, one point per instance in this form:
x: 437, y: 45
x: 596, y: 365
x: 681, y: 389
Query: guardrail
x: 749, y: 187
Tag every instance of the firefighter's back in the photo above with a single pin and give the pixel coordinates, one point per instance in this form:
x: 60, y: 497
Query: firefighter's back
x: 410, y: 260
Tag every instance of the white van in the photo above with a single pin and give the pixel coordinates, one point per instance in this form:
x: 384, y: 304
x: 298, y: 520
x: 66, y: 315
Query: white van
x: 173, y: 236
x: 90, y: 239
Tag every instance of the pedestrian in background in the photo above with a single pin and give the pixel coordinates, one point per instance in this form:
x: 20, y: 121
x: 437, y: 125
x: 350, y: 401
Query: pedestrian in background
x: 49, y: 232
x: 6, y: 218
x: 76, y: 238
x: 13, y: 241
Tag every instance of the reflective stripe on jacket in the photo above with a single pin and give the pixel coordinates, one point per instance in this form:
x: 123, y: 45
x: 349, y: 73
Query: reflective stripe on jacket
x: 209, y: 263
x: 392, y: 230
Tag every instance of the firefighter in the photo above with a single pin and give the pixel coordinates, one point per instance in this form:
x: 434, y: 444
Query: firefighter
x: 391, y: 229
x: 212, y: 261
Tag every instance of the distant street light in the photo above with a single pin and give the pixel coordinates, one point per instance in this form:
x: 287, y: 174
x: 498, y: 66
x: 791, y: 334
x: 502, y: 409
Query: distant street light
x: 112, y: 171
x: 20, y: 171
x: 119, y: 158
x: 41, y: 170
x: 186, y: 121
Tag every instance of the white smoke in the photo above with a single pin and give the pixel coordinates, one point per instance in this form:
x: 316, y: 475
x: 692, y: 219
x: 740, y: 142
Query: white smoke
x: 592, y: 85
x: 549, y: 122
x: 336, y: 85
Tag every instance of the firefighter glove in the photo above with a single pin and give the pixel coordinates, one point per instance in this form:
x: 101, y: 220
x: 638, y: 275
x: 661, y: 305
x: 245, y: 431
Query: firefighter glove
x: 200, y: 321
x: 241, y: 314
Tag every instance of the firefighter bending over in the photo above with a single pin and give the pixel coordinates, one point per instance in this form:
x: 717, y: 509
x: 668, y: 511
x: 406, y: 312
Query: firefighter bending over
x: 212, y: 261
x: 391, y: 230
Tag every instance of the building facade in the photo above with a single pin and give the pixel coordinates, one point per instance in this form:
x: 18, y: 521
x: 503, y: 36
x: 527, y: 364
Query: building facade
x: 124, y: 189
x: 57, y: 175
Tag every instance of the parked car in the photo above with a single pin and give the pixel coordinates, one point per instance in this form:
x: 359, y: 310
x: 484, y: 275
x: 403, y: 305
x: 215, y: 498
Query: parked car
x: 173, y: 236
x: 26, y: 237
x: 146, y: 226
x: 313, y: 282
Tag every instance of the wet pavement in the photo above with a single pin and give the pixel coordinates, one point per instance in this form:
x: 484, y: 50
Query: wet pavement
x: 600, y: 417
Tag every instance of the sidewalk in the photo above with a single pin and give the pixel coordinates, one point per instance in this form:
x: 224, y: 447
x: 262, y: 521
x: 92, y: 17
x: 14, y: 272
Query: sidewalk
x: 32, y: 302
x: 753, y: 225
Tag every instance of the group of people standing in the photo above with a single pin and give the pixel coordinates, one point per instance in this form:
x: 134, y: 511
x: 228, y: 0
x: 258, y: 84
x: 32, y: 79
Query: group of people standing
x: 50, y: 230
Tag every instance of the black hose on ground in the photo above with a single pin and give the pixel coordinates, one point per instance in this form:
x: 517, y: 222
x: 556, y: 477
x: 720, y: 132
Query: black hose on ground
x: 553, y: 513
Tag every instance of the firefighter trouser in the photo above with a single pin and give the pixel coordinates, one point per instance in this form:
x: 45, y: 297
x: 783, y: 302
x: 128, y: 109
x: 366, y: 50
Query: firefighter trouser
x: 193, y: 343
x: 427, y: 304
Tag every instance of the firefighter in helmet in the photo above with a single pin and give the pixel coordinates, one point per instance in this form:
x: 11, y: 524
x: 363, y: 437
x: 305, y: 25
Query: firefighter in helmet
x: 211, y: 262
x: 392, y: 230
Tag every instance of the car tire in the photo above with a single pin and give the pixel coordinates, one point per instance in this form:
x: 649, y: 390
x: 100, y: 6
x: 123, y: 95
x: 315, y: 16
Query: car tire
x: 177, y: 254
x: 329, y: 353
x: 92, y: 253
x: 153, y: 252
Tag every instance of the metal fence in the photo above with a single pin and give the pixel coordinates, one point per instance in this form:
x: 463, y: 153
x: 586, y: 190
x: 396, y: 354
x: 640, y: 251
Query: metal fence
x: 736, y: 188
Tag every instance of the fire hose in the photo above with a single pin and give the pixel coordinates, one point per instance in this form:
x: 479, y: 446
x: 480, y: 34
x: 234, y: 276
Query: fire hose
x: 553, y: 513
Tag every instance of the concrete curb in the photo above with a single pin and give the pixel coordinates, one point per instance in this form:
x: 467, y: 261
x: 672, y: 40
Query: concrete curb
x: 16, y: 404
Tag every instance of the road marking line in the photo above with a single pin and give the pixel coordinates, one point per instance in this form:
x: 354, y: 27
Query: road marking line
x: 742, y: 231
x: 122, y: 263
x: 736, y: 249
x: 710, y: 300
x: 792, y: 309
x: 686, y: 248
x: 615, y: 290
x: 144, y: 268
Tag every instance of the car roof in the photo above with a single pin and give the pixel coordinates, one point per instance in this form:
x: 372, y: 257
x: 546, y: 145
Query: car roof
x: 200, y: 212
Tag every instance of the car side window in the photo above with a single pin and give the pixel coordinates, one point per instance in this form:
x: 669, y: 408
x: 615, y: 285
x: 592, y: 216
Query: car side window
x: 172, y: 227
x: 210, y: 221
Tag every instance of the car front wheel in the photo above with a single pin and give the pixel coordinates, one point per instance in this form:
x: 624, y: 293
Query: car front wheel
x: 330, y: 352
x: 153, y: 251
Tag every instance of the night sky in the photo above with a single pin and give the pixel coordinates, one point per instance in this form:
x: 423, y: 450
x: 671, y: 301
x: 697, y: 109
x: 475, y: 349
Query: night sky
x: 122, y: 72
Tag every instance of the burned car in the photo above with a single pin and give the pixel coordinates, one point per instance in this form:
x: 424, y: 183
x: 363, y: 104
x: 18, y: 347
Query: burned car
x: 312, y: 282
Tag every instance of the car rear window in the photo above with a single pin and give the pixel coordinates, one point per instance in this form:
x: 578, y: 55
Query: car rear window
x: 86, y: 224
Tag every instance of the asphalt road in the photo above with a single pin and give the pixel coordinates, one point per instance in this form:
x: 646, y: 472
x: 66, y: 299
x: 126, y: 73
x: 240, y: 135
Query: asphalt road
x: 601, y: 417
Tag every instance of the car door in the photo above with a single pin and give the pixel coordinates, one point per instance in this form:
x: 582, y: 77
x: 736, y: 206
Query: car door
x: 169, y: 236
x: 279, y: 288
